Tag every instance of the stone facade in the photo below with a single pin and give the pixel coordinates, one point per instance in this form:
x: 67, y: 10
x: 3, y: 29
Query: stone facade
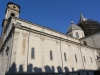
x: 68, y: 53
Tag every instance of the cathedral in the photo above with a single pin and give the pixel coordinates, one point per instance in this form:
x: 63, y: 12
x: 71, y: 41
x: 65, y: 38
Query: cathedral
x: 29, y: 48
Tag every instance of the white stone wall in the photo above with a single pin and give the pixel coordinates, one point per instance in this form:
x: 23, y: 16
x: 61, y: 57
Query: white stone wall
x: 6, y: 56
x: 23, y: 41
x: 42, y: 46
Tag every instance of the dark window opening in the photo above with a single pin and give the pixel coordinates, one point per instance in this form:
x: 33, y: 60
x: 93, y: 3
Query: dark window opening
x: 12, y: 14
x: 65, y: 56
x: 51, y: 57
x: 32, y: 53
x: 77, y: 35
x: 85, y: 43
x: 75, y: 57
x: 14, y: 7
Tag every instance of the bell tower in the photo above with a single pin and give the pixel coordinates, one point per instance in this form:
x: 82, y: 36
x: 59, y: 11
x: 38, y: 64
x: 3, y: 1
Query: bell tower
x: 11, y: 10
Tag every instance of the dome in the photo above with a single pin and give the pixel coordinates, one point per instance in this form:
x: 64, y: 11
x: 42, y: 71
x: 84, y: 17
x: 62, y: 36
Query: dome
x: 73, y: 27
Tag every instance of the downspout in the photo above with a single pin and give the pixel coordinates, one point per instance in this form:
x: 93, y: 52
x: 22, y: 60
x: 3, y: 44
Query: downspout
x: 28, y: 49
x: 81, y: 55
x: 61, y: 54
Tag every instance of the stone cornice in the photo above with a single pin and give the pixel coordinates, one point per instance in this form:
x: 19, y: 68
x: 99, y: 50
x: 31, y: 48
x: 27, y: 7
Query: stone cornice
x: 50, y: 35
x: 38, y: 25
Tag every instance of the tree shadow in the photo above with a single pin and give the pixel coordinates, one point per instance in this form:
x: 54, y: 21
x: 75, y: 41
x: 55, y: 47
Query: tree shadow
x: 53, y: 69
x: 21, y: 69
x: 37, y: 70
x: 29, y: 68
x: 66, y: 69
x: 72, y: 69
x: 59, y: 69
x: 12, y: 69
x: 47, y: 69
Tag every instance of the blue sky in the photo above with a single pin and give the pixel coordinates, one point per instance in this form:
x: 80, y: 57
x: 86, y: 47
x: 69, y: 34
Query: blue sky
x: 55, y: 14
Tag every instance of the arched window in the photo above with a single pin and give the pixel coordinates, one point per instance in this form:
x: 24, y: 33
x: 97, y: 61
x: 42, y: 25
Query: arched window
x: 51, y: 57
x: 65, y: 56
x: 12, y: 14
x: 77, y: 35
x: 75, y: 57
x: 32, y: 53
x: 85, y: 43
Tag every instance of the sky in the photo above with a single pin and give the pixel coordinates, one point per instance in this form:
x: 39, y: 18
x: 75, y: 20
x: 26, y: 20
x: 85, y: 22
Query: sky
x: 54, y: 14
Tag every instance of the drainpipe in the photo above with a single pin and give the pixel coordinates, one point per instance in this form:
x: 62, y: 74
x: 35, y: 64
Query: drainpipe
x: 28, y: 49
x: 61, y: 54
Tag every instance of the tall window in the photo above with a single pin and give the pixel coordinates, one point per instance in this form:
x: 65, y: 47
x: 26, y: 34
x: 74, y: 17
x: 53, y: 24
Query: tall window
x: 91, y: 60
x: 65, y: 56
x: 77, y: 35
x: 32, y: 53
x: 75, y: 57
x: 84, y: 58
x: 85, y: 43
x: 51, y: 57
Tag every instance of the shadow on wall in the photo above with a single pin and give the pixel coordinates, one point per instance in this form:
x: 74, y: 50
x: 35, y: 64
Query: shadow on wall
x: 31, y: 69
x: 49, y: 70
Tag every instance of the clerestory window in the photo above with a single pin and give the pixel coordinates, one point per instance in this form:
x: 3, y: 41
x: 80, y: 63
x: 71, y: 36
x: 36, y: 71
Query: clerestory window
x: 32, y: 53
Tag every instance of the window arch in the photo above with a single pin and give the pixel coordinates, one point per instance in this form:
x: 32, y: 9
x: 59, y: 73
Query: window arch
x: 12, y: 14
x: 77, y: 35
x: 32, y: 53
x: 85, y: 43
